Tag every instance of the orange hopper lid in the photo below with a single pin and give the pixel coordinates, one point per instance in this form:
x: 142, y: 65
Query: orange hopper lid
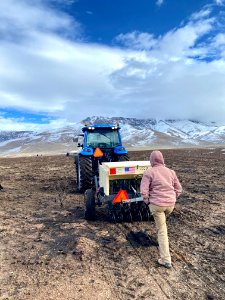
x: 98, y: 152
x: 122, y: 195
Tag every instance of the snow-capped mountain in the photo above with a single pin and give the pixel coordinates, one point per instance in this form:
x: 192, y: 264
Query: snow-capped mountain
x: 135, y: 133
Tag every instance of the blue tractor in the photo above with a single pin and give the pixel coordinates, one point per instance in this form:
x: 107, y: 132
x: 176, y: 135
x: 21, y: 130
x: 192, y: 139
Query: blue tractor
x: 99, y: 143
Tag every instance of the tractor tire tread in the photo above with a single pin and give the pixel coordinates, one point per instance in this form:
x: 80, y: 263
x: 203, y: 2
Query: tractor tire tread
x: 86, y: 173
x: 89, y: 198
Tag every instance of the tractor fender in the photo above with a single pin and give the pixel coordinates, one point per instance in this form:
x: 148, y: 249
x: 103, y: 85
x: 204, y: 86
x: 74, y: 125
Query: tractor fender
x: 87, y: 151
x: 118, y: 150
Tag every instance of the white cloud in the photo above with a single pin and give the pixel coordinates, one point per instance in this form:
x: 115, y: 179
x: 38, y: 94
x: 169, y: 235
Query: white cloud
x: 51, y: 72
x: 19, y: 17
x: 137, y: 40
x: 169, y: 76
x: 220, y: 2
x: 19, y: 124
x: 159, y: 2
x: 172, y: 83
x: 205, y: 12
x: 45, y: 71
x: 179, y: 42
x: 14, y: 124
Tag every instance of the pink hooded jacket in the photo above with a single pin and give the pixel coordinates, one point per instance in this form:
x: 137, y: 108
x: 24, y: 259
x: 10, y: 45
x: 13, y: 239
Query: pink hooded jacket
x: 159, y: 184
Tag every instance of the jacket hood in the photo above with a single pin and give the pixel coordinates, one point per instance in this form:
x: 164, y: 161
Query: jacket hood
x: 156, y: 158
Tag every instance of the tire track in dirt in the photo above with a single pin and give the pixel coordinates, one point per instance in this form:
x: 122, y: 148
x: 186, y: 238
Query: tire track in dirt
x: 183, y: 278
x: 204, y: 288
x: 194, y: 257
x: 148, y: 258
x: 125, y: 270
x: 143, y: 253
x: 169, y: 281
x: 163, y: 289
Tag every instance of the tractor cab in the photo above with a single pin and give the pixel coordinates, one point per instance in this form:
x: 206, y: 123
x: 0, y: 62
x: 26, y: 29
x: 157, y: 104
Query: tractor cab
x: 99, y: 143
x: 106, y: 137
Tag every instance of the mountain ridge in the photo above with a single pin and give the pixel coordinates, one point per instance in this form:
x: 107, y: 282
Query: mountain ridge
x: 136, y: 133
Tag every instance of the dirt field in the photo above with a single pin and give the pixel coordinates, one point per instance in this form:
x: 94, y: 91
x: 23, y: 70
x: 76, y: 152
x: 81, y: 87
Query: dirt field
x: 48, y: 250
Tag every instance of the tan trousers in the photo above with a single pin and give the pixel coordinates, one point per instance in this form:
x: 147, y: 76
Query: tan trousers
x: 159, y: 214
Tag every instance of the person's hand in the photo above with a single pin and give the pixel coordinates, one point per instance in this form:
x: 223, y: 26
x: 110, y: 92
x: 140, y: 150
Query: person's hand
x: 146, y: 200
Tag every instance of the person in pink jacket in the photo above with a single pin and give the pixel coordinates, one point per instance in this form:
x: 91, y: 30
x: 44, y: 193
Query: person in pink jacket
x: 160, y: 188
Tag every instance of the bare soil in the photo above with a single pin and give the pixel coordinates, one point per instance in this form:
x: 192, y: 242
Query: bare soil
x: 48, y: 250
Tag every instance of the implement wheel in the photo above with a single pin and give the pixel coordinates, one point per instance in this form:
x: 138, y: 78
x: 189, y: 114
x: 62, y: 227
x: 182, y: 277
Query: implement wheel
x: 115, y: 213
x: 127, y: 216
x: 89, y: 199
x: 135, y: 211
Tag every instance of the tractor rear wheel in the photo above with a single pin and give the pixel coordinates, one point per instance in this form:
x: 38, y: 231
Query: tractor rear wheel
x: 84, y: 173
x: 89, y: 198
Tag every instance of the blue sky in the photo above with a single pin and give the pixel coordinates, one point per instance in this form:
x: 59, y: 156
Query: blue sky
x: 64, y: 60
